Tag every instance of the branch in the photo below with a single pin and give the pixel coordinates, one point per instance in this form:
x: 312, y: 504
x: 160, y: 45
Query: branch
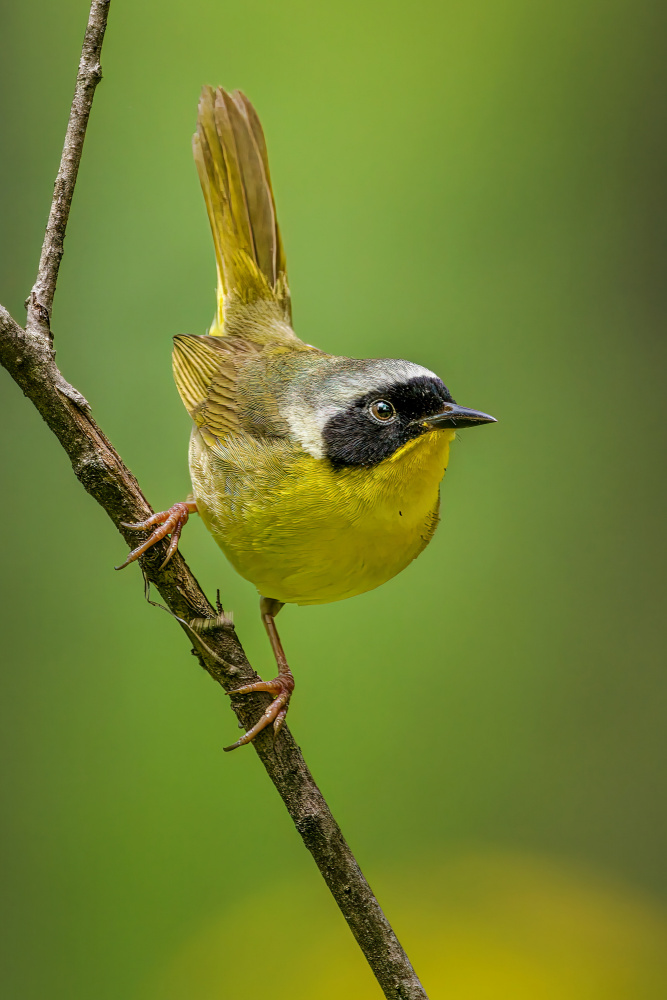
x: 89, y: 75
x: 29, y: 358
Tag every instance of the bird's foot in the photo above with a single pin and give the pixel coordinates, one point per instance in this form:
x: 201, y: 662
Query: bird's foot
x: 168, y: 522
x: 281, y: 688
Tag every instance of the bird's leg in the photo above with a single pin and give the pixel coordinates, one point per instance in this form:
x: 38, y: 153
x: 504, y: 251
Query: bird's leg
x: 280, y: 687
x: 168, y: 522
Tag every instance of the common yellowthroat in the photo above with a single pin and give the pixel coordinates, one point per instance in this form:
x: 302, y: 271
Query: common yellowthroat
x: 318, y: 476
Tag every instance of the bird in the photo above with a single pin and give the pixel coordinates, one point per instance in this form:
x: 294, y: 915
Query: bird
x: 317, y: 475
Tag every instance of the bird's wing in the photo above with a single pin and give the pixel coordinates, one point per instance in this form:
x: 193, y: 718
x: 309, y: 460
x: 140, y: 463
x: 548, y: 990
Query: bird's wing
x: 233, y: 386
x: 233, y: 166
x: 205, y: 372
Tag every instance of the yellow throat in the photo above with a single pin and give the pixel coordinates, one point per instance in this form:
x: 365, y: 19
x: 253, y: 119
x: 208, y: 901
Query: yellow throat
x: 306, y: 533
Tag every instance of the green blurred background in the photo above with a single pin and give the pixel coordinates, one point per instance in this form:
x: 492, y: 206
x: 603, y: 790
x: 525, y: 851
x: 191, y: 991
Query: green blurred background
x: 479, y: 186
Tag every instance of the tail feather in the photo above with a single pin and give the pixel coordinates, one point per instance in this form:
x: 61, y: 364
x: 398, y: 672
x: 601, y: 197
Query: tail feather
x: 232, y: 161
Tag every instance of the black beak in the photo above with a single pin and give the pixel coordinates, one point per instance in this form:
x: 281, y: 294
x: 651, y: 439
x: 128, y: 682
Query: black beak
x: 455, y: 416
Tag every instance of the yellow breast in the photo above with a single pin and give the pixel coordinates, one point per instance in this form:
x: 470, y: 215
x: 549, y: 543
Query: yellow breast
x: 305, y: 533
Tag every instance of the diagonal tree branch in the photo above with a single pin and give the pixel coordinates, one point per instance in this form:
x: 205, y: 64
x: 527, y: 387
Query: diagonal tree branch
x: 28, y: 356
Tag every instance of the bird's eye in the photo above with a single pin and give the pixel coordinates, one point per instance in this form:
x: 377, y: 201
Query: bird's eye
x: 382, y: 410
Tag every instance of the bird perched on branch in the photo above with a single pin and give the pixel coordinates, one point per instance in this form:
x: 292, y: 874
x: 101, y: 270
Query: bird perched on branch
x: 318, y: 476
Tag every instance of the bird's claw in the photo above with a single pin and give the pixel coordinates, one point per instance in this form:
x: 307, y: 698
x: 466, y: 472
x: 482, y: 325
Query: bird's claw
x: 166, y: 522
x: 281, y: 687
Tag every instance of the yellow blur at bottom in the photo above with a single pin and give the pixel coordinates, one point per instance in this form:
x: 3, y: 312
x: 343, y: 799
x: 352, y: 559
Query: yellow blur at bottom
x: 480, y: 927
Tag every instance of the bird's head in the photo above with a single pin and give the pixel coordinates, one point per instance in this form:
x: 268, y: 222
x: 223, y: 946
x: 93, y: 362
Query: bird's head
x: 359, y: 413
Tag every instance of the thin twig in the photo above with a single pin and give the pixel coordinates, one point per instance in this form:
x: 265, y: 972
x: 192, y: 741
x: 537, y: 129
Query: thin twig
x: 40, y: 300
x: 29, y: 358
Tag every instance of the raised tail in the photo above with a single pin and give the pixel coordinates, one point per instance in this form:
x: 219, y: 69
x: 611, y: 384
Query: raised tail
x: 230, y: 153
